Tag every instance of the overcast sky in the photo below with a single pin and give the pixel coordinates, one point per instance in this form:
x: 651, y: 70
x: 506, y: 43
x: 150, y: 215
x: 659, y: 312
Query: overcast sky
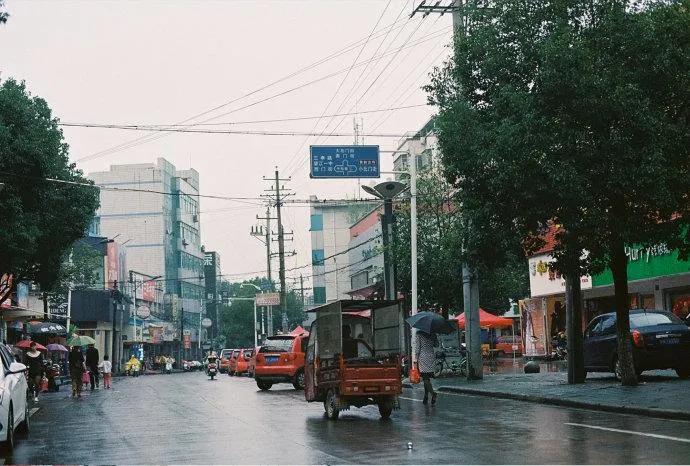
x: 162, y: 62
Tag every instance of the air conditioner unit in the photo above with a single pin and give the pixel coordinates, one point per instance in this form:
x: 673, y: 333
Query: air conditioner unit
x: 185, y: 243
x: 195, y: 218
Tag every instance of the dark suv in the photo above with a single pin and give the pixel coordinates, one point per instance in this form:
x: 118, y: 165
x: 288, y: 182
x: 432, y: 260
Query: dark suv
x: 660, y: 340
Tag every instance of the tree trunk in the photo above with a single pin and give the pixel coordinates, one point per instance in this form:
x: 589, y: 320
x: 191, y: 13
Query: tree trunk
x: 573, y: 313
x: 619, y: 268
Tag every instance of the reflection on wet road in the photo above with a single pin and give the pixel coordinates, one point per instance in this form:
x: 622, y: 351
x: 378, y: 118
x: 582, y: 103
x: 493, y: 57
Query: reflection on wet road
x: 185, y: 418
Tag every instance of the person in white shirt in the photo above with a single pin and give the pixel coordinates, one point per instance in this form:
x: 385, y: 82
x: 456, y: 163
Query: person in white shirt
x: 106, y: 368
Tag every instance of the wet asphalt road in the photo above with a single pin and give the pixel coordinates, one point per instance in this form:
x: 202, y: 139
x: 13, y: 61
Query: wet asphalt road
x: 186, y: 418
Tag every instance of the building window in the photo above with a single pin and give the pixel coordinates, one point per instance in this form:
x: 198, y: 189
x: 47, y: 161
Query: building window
x: 189, y: 262
x: 319, y: 295
x: 317, y: 256
x: 316, y: 222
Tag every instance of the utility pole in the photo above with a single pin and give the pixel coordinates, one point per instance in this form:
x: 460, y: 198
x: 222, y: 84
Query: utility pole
x: 264, y: 235
x: 277, y: 196
x: 470, y: 279
x: 301, y: 289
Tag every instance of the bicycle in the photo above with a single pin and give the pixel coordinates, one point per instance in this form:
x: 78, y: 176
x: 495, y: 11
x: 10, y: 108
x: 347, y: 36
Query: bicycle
x: 456, y: 365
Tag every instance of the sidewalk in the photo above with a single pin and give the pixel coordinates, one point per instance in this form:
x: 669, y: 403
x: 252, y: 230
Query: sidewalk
x: 659, y: 394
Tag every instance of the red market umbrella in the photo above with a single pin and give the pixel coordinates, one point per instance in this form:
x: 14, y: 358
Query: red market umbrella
x: 26, y: 344
x: 298, y: 331
x: 486, y: 320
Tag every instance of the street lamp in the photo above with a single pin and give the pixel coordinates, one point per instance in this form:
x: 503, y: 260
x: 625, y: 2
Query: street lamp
x: 387, y: 191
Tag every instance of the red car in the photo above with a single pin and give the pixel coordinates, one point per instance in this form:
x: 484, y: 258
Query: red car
x: 508, y: 344
x: 225, y: 359
x: 232, y: 363
x: 281, y: 360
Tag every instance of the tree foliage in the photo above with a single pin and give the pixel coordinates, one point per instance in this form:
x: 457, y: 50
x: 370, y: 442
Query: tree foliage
x: 237, y: 317
x: 573, y: 112
x: 41, y: 219
x: 3, y: 14
x: 440, y: 253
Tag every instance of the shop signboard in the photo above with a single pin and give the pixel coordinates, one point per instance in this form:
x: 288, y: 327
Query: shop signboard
x: 268, y: 299
x: 187, y: 339
x: 545, y: 280
x: 112, y: 264
x: 148, y: 291
x: 645, y: 263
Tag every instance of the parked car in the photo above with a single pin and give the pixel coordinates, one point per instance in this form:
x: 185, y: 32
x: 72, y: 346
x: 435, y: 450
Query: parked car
x: 281, y: 359
x: 660, y: 340
x: 505, y: 344
x: 225, y: 359
x: 14, y: 408
x: 232, y: 363
x: 251, y: 364
x: 242, y: 364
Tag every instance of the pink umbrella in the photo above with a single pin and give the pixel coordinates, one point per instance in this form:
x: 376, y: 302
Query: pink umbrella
x: 26, y: 344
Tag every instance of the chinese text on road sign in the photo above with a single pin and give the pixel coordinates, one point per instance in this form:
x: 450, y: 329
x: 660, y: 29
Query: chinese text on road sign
x: 344, y: 161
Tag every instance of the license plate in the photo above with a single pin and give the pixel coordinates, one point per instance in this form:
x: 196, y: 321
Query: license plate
x: 669, y: 341
x: 271, y: 359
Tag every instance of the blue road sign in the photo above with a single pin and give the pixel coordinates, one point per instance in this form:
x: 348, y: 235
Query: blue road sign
x: 344, y: 161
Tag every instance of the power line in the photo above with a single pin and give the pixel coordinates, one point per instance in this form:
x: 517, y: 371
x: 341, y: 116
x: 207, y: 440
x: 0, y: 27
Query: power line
x: 342, y: 81
x: 293, y: 89
x: 219, y: 131
x: 230, y: 123
x: 148, y: 138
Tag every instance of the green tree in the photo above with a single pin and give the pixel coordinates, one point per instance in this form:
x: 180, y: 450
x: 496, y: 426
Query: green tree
x: 3, y: 14
x: 440, y: 236
x: 573, y: 112
x: 237, y: 317
x: 41, y: 219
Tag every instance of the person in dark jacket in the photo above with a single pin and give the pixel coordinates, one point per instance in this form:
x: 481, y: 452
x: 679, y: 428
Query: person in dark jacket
x: 76, y: 370
x: 34, y: 363
x: 92, y: 362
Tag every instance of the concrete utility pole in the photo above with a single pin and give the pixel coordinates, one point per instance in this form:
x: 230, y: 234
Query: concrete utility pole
x: 301, y: 289
x: 278, y: 194
x: 259, y: 232
x: 470, y: 279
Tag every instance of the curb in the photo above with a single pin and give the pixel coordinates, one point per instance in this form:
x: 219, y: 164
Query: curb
x: 649, y: 412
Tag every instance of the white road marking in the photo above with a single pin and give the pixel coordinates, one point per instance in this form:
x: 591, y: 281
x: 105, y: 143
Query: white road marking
x: 631, y: 432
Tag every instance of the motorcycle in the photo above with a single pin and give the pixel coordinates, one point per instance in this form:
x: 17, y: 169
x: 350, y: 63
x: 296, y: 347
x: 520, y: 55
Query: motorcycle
x: 560, y: 347
x: 212, y: 368
x: 52, y: 371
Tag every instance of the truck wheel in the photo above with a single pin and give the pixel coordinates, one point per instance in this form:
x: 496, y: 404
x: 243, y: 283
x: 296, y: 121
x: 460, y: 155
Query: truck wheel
x: 263, y: 385
x: 298, y: 380
x: 330, y: 405
x: 386, y: 407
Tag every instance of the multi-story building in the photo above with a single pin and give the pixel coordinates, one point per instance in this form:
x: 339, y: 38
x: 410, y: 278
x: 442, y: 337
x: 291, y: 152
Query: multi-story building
x: 213, y: 277
x: 153, y: 209
x: 366, y: 257
x: 330, y: 237
x: 423, y: 143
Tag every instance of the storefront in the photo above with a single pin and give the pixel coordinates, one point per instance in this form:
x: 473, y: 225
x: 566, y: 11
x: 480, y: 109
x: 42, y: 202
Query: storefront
x: 657, y: 279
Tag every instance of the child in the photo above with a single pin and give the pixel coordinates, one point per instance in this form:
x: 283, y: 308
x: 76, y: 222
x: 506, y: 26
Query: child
x: 106, y: 368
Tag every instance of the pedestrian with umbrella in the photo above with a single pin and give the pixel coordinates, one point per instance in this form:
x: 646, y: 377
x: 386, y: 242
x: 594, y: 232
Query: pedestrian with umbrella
x: 428, y: 325
x: 76, y: 370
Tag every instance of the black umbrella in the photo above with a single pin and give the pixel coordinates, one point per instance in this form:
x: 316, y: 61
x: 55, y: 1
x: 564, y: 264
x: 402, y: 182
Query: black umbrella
x: 430, y: 322
x: 46, y: 328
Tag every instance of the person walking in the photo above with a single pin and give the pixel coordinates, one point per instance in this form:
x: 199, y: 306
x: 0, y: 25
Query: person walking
x: 34, y: 362
x: 107, y: 369
x: 426, y: 359
x: 92, y: 361
x: 76, y: 370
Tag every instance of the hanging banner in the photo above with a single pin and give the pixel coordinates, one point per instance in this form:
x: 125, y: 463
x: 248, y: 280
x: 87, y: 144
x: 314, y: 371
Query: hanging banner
x: 534, y: 326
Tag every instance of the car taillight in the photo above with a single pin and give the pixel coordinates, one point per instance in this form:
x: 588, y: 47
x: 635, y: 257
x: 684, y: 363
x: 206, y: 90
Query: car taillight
x: 638, y: 339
